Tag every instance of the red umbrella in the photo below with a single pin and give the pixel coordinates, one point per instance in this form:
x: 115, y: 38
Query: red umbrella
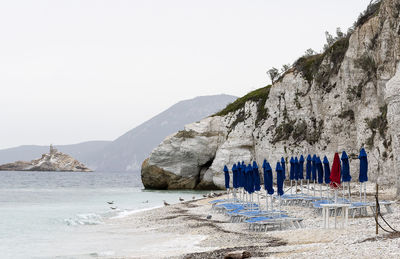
x: 335, y: 172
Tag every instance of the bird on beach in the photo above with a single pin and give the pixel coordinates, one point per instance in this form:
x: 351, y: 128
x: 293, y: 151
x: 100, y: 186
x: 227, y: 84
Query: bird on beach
x: 209, y: 216
x: 193, y: 198
x: 113, y: 208
x: 181, y: 199
x: 147, y: 201
x: 205, y: 196
x: 166, y: 203
x: 110, y: 202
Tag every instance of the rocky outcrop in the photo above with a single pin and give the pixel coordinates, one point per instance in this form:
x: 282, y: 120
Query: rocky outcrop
x: 53, y: 161
x: 329, y: 102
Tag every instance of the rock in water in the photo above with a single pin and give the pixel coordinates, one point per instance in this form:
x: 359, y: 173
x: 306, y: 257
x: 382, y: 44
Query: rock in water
x: 53, y: 161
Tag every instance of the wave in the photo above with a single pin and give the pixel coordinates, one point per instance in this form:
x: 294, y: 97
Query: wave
x: 126, y: 213
x: 85, y: 219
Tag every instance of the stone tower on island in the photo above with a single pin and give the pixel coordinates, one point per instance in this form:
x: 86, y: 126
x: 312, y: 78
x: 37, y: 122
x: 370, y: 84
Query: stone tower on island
x: 52, y: 150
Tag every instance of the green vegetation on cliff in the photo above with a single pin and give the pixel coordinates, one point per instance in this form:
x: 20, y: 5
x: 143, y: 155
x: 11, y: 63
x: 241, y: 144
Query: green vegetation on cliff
x: 260, y: 96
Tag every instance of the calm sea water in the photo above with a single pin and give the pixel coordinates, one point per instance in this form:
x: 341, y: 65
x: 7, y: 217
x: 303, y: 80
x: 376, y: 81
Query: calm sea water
x: 63, y: 214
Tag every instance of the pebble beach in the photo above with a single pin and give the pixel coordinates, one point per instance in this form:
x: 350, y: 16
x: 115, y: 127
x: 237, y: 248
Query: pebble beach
x: 183, y: 231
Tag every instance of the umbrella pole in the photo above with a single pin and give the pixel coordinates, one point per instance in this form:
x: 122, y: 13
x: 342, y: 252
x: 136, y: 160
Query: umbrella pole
x: 365, y: 192
x: 279, y: 206
x: 314, y: 188
x: 320, y: 190
x: 301, y: 185
x: 296, y: 188
x: 258, y: 198
x: 360, y: 191
x: 308, y: 187
x: 291, y: 191
x: 335, y: 196
x: 343, y: 192
x: 348, y: 184
x: 266, y: 199
x: 327, y: 191
x: 272, y: 203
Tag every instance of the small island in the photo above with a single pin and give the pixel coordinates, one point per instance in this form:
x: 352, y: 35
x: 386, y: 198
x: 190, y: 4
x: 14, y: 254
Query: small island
x: 53, y: 161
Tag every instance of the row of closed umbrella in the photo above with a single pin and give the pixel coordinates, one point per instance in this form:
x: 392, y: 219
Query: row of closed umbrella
x: 248, y: 177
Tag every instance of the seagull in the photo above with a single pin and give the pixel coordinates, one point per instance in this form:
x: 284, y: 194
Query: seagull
x: 113, y: 208
x: 147, y: 201
x: 181, y: 199
x: 209, y: 217
x: 205, y: 196
x: 166, y: 203
x: 110, y: 202
x: 193, y: 198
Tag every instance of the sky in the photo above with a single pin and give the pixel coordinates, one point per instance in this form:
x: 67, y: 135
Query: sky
x: 74, y: 71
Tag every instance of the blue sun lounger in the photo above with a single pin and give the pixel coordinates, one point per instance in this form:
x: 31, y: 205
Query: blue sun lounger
x: 262, y: 223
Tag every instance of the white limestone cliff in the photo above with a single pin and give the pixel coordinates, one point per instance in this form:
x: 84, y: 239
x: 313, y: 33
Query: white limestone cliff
x: 346, y: 105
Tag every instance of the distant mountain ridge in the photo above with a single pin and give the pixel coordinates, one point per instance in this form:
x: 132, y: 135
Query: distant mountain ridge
x: 128, y: 151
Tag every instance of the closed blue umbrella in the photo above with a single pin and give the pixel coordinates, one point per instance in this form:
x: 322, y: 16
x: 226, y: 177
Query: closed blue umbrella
x: 226, y: 171
x: 279, y: 179
x: 363, y: 177
x: 301, y: 172
x: 291, y: 173
x: 234, y: 176
x: 301, y: 168
x: 292, y: 169
x: 308, y: 167
x: 296, y: 169
x: 243, y: 174
x: 320, y: 171
x: 264, y: 166
x: 283, y: 163
x: 279, y: 183
x: 250, y: 180
x: 268, y: 183
x: 314, y: 168
x: 239, y: 175
x: 245, y: 178
x: 345, y: 170
x: 327, y: 170
x: 256, y: 177
x: 268, y: 179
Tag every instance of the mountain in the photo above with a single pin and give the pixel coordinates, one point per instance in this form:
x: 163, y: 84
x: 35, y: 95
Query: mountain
x: 345, y: 98
x: 81, y: 151
x: 127, y: 152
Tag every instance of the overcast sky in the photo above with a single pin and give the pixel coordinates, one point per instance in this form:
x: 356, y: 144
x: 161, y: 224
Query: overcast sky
x: 73, y: 71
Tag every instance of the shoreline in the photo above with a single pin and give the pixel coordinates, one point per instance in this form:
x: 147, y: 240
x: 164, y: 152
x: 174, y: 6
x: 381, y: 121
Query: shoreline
x: 191, y: 235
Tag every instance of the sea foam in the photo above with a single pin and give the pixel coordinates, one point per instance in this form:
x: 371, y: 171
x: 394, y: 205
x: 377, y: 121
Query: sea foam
x: 85, y: 219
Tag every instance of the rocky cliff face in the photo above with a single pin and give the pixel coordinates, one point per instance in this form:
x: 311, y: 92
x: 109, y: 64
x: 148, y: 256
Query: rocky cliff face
x: 53, y: 161
x: 334, y: 101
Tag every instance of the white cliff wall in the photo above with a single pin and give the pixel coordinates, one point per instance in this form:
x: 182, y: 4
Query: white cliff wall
x: 346, y: 110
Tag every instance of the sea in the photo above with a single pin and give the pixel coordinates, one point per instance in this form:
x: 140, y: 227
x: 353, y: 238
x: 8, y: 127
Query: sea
x: 68, y: 215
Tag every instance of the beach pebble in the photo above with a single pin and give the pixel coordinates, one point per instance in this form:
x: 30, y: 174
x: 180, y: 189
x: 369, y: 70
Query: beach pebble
x: 237, y: 255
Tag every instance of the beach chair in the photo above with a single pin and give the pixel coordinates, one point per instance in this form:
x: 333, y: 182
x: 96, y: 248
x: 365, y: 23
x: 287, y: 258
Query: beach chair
x: 262, y: 223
